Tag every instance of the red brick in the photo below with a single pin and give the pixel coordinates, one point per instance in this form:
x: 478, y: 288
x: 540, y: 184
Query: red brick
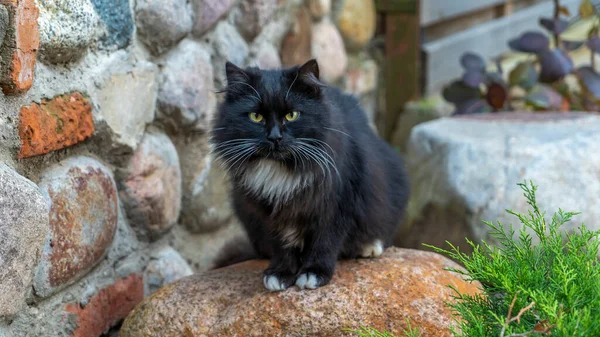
x: 55, y: 124
x: 19, y: 51
x: 108, y: 307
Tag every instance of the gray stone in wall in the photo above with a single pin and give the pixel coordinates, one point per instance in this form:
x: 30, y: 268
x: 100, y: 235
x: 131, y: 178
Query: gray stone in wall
x: 118, y: 21
x: 67, y: 29
x: 206, y: 202
x: 165, y: 266
x: 162, y: 23
x: 151, y: 188
x: 23, y: 224
x: 186, y: 97
x: 319, y: 8
x: 207, y: 13
x: 201, y: 249
x: 3, y: 23
x: 265, y: 56
x: 126, y: 103
x: 253, y: 16
x: 83, y: 203
x: 229, y: 46
x: 465, y: 170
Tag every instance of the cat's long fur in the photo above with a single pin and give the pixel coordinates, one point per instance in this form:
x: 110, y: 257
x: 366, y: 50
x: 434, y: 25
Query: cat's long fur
x: 329, y: 189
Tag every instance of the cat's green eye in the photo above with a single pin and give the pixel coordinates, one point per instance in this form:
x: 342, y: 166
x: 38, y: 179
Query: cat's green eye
x: 292, y: 116
x: 256, y: 118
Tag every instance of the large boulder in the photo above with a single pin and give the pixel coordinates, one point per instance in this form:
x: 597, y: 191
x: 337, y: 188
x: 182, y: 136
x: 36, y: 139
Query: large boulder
x: 380, y: 293
x: 466, y: 169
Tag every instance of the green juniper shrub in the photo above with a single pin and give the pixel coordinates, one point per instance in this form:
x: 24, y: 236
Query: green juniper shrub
x: 550, y: 288
x: 544, y: 287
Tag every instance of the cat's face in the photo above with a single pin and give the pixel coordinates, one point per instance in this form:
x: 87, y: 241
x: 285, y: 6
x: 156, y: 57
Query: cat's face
x: 271, y: 114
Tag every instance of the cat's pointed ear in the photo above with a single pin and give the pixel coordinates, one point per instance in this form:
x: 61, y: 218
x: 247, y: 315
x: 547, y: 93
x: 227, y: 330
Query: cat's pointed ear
x: 308, y: 74
x: 235, y: 73
x: 310, y: 69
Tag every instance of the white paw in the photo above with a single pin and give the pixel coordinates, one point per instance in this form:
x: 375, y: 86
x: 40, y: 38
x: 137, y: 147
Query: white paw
x: 373, y: 249
x: 307, y: 281
x: 272, y: 283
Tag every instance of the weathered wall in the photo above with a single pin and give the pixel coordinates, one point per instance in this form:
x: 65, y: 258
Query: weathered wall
x: 107, y: 189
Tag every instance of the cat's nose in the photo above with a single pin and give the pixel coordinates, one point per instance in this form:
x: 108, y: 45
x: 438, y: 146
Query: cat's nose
x: 274, y: 135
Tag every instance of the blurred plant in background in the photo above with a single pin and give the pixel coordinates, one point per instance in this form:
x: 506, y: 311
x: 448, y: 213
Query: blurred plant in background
x: 540, y: 82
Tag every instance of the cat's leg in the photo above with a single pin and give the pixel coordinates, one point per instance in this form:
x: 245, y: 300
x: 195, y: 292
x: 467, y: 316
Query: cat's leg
x: 320, y: 257
x: 282, y: 270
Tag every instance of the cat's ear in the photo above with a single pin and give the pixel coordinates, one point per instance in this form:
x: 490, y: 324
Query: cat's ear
x: 308, y: 76
x: 310, y: 69
x: 235, y: 73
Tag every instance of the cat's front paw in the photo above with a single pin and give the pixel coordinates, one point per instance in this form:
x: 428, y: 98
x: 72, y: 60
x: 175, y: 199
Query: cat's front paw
x: 312, y: 280
x: 278, y: 281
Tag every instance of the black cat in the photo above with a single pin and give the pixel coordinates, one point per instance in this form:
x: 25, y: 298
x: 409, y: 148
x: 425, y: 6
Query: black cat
x: 311, y: 181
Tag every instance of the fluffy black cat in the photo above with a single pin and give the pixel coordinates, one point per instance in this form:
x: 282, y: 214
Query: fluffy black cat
x: 312, y: 183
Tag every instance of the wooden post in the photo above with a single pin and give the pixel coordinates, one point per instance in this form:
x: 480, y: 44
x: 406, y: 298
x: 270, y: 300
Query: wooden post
x: 403, y: 54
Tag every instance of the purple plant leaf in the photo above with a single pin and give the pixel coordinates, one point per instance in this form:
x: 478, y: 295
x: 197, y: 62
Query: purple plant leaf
x: 556, y: 64
x: 458, y: 92
x: 530, y: 42
x: 473, y: 106
x: 572, y: 45
x: 473, y: 78
x: 472, y: 62
x: 590, y: 81
x: 554, y: 26
x: 524, y: 75
x: 544, y: 97
x: 594, y: 44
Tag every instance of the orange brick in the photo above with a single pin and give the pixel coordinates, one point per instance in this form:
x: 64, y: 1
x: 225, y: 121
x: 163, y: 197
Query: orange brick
x: 108, y: 307
x: 19, y: 51
x: 52, y: 125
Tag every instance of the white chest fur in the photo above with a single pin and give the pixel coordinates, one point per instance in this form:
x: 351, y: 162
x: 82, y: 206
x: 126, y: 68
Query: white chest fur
x: 273, y: 181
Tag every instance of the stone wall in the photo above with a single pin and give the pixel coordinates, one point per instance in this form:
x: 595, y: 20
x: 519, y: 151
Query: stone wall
x: 107, y: 188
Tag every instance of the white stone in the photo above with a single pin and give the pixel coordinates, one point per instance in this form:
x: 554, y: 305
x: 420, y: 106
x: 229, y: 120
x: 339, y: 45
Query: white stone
x: 470, y: 167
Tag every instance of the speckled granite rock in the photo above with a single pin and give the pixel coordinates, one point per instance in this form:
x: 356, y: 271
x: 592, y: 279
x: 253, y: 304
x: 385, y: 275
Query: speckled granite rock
x: 380, y: 293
